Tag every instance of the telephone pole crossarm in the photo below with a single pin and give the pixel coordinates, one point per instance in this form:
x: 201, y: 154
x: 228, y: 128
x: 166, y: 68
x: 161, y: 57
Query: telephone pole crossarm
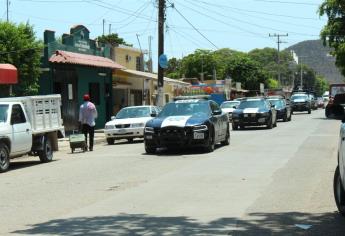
x: 278, y: 36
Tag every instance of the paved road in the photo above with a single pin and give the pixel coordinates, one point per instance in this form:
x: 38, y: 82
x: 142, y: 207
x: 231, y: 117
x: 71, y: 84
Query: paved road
x: 264, y: 183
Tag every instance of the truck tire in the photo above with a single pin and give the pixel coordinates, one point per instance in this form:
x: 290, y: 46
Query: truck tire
x: 4, y: 158
x: 46, y: 155
x: 110, y: 141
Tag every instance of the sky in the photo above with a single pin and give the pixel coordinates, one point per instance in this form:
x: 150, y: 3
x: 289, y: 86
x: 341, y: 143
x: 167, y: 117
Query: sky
x: 241, y: 25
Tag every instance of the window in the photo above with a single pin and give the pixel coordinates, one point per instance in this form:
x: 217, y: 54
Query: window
x: 17, y: 116
x: 138, y: 63
x: 94, y: 93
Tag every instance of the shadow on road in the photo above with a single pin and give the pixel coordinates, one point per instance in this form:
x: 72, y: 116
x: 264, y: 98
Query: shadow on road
x: 15, y: 165
x: 141, y: 224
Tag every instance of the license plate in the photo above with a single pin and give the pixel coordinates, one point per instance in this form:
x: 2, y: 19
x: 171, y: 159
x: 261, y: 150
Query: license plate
x: 253, y: 115
x: 199, y: 135
x: 148, y: 136
x: 261, y: 120
x: 245, y: 115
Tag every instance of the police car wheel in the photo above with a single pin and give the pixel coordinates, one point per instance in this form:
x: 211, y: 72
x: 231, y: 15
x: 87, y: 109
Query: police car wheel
x: 210, y: 145
x: 150, y: 149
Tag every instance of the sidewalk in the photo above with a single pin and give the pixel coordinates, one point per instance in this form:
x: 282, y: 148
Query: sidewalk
x: 99, y: 138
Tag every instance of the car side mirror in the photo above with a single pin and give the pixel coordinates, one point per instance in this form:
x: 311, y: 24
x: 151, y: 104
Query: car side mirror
x: 217, y: 112
x: 113, y: 117
x: 235, y: 107
x: 153, y: 114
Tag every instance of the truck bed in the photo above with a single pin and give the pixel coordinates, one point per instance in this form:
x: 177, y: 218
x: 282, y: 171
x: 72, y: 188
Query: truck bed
x: 43, y: 111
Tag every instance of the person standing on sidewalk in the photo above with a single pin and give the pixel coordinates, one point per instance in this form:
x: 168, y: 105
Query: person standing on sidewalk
x: 87, y: 115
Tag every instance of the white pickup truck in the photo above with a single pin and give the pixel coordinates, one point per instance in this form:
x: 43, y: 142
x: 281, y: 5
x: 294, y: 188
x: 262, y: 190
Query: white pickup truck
x: 29, y: 125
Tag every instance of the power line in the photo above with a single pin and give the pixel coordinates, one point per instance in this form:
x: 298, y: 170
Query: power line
x: 194, y: 27
x: 253, y: 11
x: 286, y: 2
x: 246, y: 22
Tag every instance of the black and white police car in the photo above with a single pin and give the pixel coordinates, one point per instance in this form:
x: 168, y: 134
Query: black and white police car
x: 187, y: 122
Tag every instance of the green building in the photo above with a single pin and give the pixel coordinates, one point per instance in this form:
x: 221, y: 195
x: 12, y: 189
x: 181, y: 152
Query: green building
x: 73, y: 66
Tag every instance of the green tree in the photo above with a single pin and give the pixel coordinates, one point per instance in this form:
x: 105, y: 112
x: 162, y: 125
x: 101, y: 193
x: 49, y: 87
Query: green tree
x: 18, y: 46
x: 243, y: 69
x: 112, y: 39
x: 173, y: 71
x: 321, y: 85
x: 333, y: 33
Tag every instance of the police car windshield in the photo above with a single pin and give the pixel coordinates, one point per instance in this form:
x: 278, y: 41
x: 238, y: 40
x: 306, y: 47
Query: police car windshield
x: 252, y: 104
x: 229, y: 104
x: 301, y: 96
x: 277, y: 102
x: 183, y: 108
x: 3, y: 113
x: 133, y: 112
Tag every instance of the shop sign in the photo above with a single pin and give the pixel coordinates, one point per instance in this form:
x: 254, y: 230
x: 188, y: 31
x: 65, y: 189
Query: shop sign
x: 82, y: 45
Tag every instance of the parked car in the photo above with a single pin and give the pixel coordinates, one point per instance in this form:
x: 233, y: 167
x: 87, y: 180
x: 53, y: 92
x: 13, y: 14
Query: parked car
x: 300, y: 102
x: 335, y: 105
x: 254, y: 112
x: 283, y: 109
x: 320, y: 102
x: 228, y: 107
x: 188, y: 123
x: 313, y: 102
x: 129, y: 123
x: 339, y: 175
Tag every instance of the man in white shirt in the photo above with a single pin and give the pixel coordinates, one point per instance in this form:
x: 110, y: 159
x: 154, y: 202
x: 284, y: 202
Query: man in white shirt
x: 87, y: 116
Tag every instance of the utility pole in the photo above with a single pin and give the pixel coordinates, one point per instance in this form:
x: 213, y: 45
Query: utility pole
x: 109, y: 28
x: 7, y: 6
x: 161, y: 19
x: 150, y: 55
x: 278, y: 43
x: 103, y: 25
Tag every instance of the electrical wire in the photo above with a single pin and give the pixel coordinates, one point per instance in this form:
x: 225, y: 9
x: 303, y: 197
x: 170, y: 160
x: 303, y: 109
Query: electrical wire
x: 246, y: 22
x: 253, y: 11
x: 194, y: 27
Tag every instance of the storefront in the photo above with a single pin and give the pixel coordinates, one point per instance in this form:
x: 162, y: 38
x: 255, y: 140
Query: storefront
x: 75, y: 66
x: 133, y: 88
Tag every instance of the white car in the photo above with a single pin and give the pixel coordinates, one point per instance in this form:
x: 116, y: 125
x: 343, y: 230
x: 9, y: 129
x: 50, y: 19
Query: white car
x: 129, y: 123
x: 228, y: 107
x: 339, y: 175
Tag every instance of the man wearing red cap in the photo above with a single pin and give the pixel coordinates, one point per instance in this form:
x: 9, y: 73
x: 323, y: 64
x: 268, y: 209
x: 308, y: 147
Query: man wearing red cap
x: 87, y: 116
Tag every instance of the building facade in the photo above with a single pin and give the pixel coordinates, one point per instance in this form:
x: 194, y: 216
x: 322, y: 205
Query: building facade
x: 73, y: 66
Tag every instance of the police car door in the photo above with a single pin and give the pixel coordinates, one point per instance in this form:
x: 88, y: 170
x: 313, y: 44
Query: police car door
x: 216, y: 116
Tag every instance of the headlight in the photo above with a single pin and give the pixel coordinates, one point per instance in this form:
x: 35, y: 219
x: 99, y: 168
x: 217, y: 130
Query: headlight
x: 109, y: 126
x: 149, y: 130
x: 200, y: 128
x: 138, y: 125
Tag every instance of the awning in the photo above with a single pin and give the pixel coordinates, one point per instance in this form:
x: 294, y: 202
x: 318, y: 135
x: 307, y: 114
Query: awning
x: 150, y: 76
x: 8, y: 74
x: 64, y: 57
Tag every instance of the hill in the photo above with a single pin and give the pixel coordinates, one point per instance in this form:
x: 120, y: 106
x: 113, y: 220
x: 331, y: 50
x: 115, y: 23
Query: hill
x: 316, y: 56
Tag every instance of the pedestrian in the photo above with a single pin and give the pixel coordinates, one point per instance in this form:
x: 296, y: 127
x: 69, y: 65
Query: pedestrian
x: 87, y: 116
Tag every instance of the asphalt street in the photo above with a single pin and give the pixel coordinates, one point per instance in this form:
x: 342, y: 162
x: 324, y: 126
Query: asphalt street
x: 267, y: 182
